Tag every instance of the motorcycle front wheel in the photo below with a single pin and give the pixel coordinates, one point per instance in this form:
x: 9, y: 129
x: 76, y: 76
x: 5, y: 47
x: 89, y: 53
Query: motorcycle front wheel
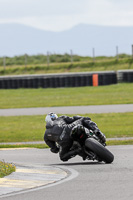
x: 103, y: 153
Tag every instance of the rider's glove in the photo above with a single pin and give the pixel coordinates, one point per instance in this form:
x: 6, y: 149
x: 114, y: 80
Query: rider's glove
x: 100, y: 135
x: 103, y: 138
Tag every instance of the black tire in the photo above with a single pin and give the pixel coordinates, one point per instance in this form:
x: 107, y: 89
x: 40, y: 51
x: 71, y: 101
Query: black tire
x: 103, y: 153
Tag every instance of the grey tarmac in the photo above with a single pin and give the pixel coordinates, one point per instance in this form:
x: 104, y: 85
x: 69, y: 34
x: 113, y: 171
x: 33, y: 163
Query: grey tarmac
x: 117, y: 108
x: 94, y: 181
x: 89, y: 180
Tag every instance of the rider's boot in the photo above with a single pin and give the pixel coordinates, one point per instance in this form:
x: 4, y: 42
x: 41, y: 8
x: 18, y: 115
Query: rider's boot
x: 82, y: 154
x: 70, y: 154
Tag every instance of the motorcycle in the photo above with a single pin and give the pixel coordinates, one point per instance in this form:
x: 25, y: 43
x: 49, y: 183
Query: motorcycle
x: 92, y: 147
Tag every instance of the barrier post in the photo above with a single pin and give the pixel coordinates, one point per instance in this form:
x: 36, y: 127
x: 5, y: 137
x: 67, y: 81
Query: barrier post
x: 95, y: 79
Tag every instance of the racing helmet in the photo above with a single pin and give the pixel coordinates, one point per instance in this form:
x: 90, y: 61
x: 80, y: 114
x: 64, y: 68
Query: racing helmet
x: 51, y: 117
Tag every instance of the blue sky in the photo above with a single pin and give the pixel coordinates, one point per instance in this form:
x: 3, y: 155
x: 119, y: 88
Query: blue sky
x: 59, y: 15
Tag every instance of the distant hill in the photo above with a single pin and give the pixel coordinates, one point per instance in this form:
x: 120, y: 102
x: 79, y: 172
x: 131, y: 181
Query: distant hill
x: 16, y: 39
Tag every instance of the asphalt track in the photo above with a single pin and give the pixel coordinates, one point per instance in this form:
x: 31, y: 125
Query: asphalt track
x: 119, y: 108
x: 85, y: 180
x: 41, y: 175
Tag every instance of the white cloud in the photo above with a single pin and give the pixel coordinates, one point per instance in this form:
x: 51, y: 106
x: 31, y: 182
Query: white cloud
x: 110, y: 12
x: 22, y: 8
x: 63, y: 14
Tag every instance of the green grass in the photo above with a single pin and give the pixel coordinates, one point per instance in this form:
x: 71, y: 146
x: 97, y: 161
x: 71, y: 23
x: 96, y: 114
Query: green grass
x: 101, y: 95
x: 62, y: 68
x: 62, y: 63
x: 18, y: 145
x: 32, y: 128
x: 6, y: 169
x: 42, y: 146
x: 119, y: 142
x: 21, y: 128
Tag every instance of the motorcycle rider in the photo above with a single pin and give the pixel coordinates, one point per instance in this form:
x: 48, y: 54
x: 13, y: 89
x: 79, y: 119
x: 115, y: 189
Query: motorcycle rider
x: 59, y: 130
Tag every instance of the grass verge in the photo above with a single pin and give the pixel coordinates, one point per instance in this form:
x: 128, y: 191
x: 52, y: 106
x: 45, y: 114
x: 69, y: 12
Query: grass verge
x: 42, y: 146
x: 120, y: 142
x: 79, y: 65
x: 6, y: 168
x: 101, y: 95
x: 32, y: 128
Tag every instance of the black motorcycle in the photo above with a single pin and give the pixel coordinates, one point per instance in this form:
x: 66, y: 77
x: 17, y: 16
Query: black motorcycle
x: 92, y: 147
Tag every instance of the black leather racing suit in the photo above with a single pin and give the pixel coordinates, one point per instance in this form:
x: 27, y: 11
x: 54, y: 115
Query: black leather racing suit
x: 59, y: 132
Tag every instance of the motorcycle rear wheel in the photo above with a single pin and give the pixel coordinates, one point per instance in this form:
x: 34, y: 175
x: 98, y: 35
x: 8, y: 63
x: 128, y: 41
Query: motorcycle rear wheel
x: 103, y: 153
